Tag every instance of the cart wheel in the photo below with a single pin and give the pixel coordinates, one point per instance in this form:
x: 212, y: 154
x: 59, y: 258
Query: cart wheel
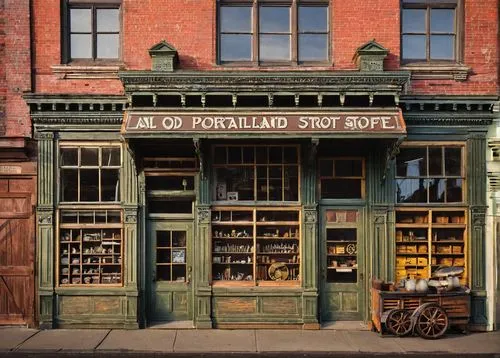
x: 399, y: 322
x: 432, y: 322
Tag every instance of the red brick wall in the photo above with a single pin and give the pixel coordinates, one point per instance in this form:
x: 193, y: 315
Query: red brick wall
x: 189, y: 25
x: 15, y: 67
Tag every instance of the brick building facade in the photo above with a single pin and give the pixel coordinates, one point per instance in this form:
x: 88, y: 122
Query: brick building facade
x: 17, y: 168
x: 256, y: 163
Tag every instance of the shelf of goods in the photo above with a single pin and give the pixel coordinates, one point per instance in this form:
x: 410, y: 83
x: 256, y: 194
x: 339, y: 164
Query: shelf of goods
x: 429, y: 238
x: 255, y: 246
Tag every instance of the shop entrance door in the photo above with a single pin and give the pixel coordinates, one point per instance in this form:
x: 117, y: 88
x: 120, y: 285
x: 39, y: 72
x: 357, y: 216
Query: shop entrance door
x: 342, y: 265
x: 169, y: 271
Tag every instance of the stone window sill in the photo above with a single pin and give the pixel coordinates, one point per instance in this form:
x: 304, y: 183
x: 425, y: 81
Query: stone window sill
x: 455, y: 72
x: 86, y: 71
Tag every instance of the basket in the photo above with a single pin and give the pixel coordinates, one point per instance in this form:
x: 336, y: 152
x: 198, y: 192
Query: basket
x: 457, y: 219
x: 442, y: 219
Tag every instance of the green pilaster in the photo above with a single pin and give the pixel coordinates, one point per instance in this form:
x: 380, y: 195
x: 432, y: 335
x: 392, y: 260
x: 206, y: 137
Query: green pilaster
x: 309, y: 237
x: 129, y: 195
x: 476, y: 175
x: 45, y: 227
x: 202, y: 288
x: 380, y: 191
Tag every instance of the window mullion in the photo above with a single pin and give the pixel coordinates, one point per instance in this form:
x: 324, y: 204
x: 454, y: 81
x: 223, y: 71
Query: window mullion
x: 428, y: 33
x: 294, y: 28
x: 255, y: 32
x: 94, y: 32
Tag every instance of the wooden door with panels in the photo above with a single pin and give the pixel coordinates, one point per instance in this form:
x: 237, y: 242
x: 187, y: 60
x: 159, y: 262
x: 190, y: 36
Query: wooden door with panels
x: 170, y: 266
x: 170, y: 198
x: 17, y: 249
x: 342, y: 265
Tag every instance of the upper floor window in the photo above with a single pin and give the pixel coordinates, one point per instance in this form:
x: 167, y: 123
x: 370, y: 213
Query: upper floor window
x: 273, y: 32
x: 92, y: 30
x: 430, y: 31
x: 430, y: 174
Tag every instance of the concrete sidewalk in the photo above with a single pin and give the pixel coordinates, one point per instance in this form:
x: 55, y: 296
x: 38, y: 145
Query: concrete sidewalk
x: 206, y: 343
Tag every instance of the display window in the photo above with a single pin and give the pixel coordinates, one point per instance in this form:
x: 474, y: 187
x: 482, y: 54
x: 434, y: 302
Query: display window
x: 342, y: 178
x: 256, y: 173
x: 430, y: 174
x: 256, y: 246
x: 90, y: 247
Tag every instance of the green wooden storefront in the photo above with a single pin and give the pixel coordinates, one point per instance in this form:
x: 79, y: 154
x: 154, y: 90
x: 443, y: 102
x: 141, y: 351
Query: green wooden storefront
x: 162, y: 262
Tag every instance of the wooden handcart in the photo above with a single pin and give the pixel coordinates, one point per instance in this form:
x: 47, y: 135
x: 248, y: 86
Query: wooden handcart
x: 429, y: 315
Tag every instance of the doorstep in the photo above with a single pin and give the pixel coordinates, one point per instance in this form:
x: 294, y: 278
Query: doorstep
x: 345, y: 325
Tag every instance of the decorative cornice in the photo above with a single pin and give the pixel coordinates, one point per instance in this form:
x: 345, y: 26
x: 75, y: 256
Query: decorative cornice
x: 263, y: 81
x: 77, y: 118
x: 448, y: 118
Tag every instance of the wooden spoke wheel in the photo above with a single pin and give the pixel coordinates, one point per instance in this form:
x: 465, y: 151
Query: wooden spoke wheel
x: 399, y: 322
x: 432, y: 322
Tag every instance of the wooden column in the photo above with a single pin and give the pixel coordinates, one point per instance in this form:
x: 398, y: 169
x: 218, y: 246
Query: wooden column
x: 45, y: 228
x: 129, y: 196
x: 201, y: 244
x: 310, y: 238
x: 476, y: 177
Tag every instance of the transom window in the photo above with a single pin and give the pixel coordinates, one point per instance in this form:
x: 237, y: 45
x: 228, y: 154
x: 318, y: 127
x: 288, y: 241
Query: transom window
x: 429, y: 30
x: 90, y: 173
x: 430, y: 174
x: 251, y: 173
x: 93, y: 30
x: 342, y: 178
x: 273, y: 32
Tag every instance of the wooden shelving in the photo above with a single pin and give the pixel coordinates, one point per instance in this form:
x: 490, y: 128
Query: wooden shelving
x: 90, y: 248
x: 255, y: 245
x: 429, y: 238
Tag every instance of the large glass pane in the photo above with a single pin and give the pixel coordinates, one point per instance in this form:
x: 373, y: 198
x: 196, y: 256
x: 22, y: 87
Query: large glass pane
x: 90, y: 157
x: 442, y: 47
x: 274, y: 47
x: 235, y: 19
x: 454, y: 190
x: 413, y: 20
x: 69, y: 156
x: 220, y: 155
x: 108, y: 45
x: 411, y: 190
x: 453, y: 161
x: 436, y: 161
x: 313, y: 47
x: 414, y: 47
x: 110, y: 188
x: 69, y: 184
x: 442, y: 20
x: 110, y: 157
x: 89, y: 185
x: 348, y: 168
x: 275, y: 155
x: 437, y: 188
x: 411, y: 162
x: 326, y: 168
x: 236, y: 47
x: 237, y: 182
x: 108, y: 20
x: 81, y: 46
x: 291, y: 183
x: 80, y: 20
x: 313, y: 19
x: 290, y: 155
x: 234, y: 155
x: 341, y: 189
x: 341, y: 250
x: 274, y: 19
